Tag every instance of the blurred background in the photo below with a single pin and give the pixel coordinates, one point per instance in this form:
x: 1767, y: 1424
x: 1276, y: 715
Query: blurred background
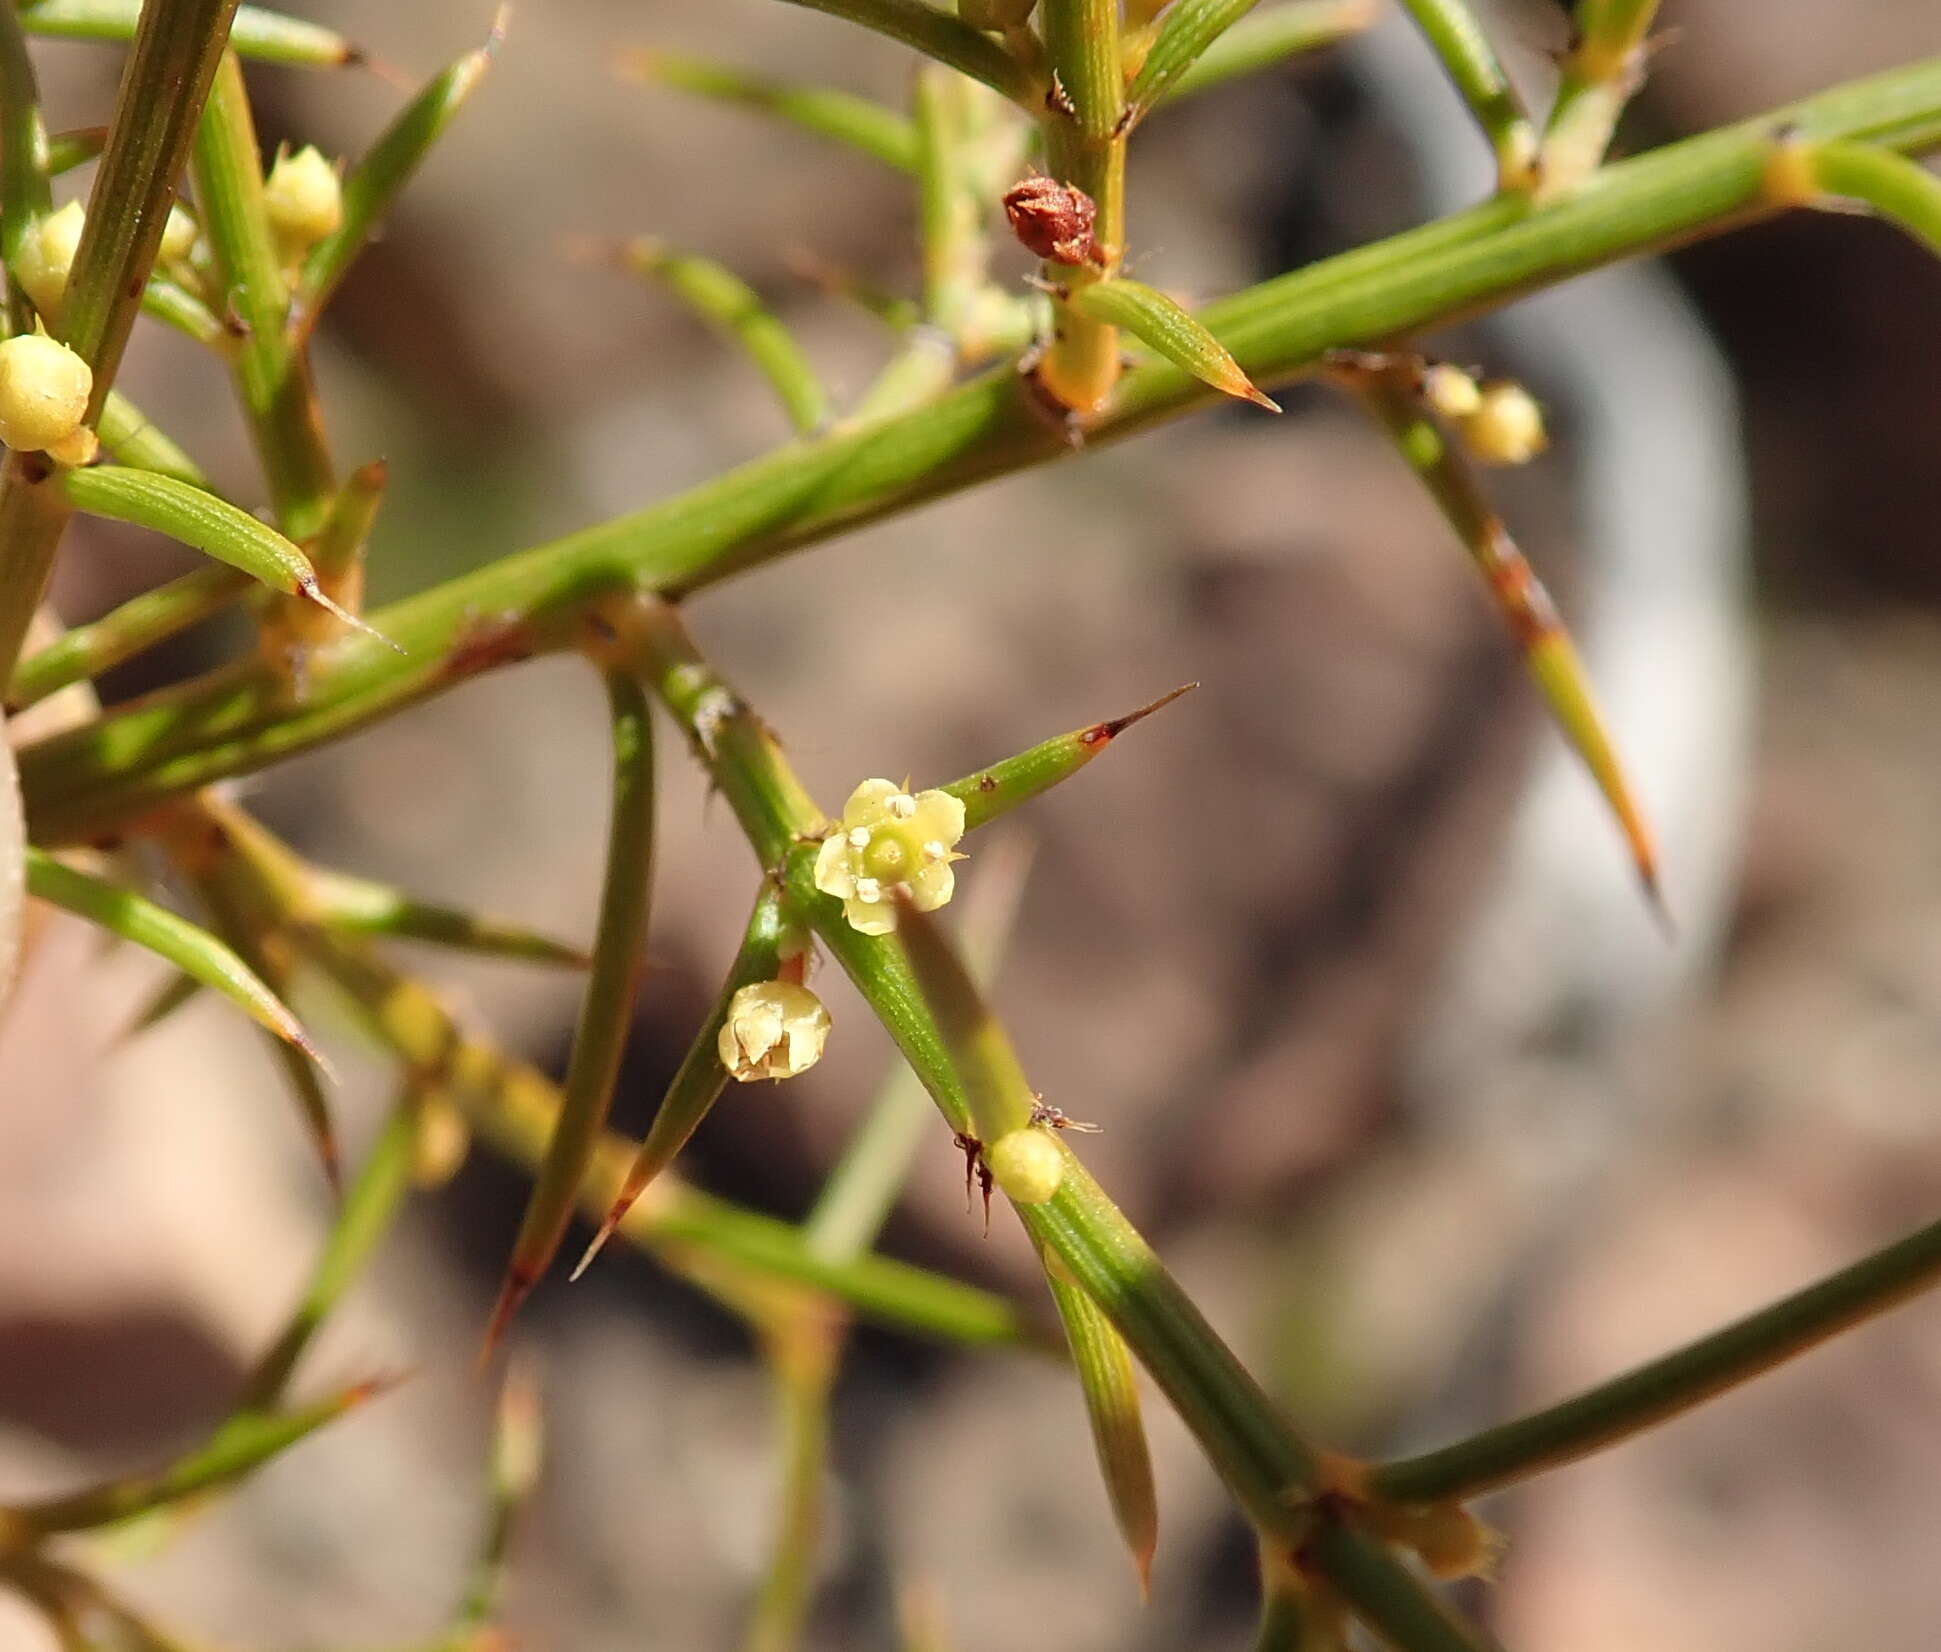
x: 1393, y: 1067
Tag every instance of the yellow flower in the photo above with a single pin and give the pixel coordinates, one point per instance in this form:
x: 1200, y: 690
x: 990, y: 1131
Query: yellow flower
x: 775, y: 1029
x: 888, y: 839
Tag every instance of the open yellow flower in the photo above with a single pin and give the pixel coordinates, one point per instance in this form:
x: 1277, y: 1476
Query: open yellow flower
x: 888, y: 838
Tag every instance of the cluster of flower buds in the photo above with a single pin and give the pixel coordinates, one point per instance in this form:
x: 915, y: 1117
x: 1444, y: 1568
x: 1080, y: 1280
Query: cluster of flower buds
x: 1499, y: 420
x: 887, y: 840
x: 44, y: 391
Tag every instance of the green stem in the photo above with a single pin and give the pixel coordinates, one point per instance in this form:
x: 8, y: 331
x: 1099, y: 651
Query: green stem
x: 91, y: 779
x: 1384, y: 1593
x: 1604, y: 68
x: 1661, y: 1388
x: 1085, y: 146
x: 1457, y: 38
x: 272, y: 374
x: 802, y: 1359
x: 24, y: 195
x: 162, y: 89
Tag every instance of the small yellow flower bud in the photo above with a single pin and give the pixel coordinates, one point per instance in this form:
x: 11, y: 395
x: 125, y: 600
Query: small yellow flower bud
x: 775, y: 1029
x: 178, y: 236
x: 304, y: 199
x: 1027, y: 1164
x: 1449, y: 391
x: 1507, y: 426
x: 888, y: 838
x: 47, y: 255
x: 44, y: 389
x: 1451, y: 1541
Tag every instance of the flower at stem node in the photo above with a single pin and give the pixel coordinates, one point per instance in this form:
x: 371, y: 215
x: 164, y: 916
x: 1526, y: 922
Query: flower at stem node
x: 304, y: 199
x: 1027, y: 1164
x: 1506, y: 425
x: 1055, y: 221
x: 44, y: 389
x: 47, y: 255
x: 775, y: 1029
x: 888, y: 839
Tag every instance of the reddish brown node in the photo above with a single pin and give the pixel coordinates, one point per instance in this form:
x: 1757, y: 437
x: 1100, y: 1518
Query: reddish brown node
x: 486, y: 643
x: 1056, y: 221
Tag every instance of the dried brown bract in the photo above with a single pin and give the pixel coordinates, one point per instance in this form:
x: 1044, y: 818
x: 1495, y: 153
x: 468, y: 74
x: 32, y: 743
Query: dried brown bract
x: 1054, y: 220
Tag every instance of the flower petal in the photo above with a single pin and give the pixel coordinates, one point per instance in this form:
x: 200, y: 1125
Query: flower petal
x: 940, y: 816
x: 931, y: 887
x: 832, y: 871
x: 870, y: 917
x: 869, y: 803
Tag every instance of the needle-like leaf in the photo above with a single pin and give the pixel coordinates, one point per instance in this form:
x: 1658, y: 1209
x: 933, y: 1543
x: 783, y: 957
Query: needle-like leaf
x: 997, y: 790
x: 122, y: 493
x: 1388, y: 387
x: 243, y: 1443
x: 700, y: 1079
x: 377, y: 180
x: 842, y: 117
x: 191, y: 949
x: 1150, y: 316
x: 258, y: 33
x: 607, y: 1008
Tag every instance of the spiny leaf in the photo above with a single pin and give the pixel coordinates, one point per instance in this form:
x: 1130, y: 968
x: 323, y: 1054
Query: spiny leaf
x: 201, y: 520
x: 253, y: 935
x: 139, y: 623
x: 1389, y: 386
x: 265, y: 35
x: 728, y: 303
x: 515, y: 1109
x: 372, y: 1200
x: 939, y: 35
x: 1267, y: 38
x: 1148, y: 314
x: 997, y: 790
x: 376, y: 181
x: 1105, y: 1378
x: 698, y: 1083
x: 842, y: 117
x: 1184, y: 35
x: 512, y: 1475
x: 606, y: 1008
x: 191, y: 949
x: 244, y: 1443
x: 359, y: 906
